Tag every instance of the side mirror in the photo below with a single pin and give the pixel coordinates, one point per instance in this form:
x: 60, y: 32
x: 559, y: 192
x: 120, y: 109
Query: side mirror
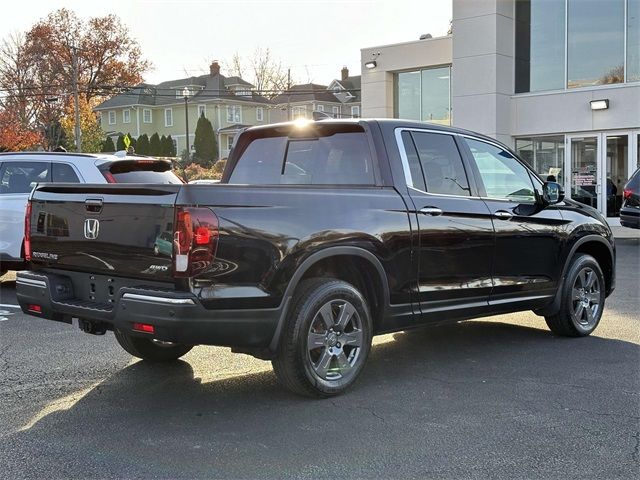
x: 552, y: 193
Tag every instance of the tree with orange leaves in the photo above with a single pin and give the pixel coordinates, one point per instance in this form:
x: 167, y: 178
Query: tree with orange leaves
x: 14, y: 136
x: 36, y: 67
x: 92, y: 134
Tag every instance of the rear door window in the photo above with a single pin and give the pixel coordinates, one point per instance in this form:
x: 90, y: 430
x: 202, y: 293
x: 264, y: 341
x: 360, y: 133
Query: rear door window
x: 63, y: 173
x: 441, y: 164
x: 21, y: 177
x: 336, y: 159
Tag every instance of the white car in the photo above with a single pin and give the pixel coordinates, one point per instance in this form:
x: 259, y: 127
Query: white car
x: 21, y: 171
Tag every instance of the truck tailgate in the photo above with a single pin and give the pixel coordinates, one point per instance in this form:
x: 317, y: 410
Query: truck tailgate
x: 119, y: 230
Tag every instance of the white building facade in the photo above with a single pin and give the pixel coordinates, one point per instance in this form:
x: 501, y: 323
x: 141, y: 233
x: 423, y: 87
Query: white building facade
x: 557, y: 80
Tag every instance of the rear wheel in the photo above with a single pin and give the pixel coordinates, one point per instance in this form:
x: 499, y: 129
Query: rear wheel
x: 326, y: 339
x: 150, y: 349
x: 582, y: 303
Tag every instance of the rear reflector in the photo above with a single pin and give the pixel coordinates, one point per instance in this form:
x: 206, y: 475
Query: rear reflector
x: 35, y: 308
x: 144, y: 328
x: 27, y: 232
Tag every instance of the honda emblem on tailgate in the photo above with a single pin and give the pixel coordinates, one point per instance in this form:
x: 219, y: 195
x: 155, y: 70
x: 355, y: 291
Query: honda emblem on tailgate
x: 91, y: 228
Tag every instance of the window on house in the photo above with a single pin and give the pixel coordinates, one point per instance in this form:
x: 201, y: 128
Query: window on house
x: 99, y: 116
x: 299, y: 112
x: 180, y: 93
x: 168, y: 117
x: 202, y: 111
x: 335, y: 111
x: 234, y: 114
x: 229, y: 142
x: 112, y: 117
x: 355, y: 111
x: 126, y: 116
x: 259, y: 114
x: 146, y: 115
x: 320, y: 108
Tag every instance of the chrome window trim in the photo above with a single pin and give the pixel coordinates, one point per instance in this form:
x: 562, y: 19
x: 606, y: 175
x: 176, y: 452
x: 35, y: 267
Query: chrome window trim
x: 405, y: 159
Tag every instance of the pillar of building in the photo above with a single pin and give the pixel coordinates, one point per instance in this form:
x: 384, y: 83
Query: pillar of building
x: 482, y: 77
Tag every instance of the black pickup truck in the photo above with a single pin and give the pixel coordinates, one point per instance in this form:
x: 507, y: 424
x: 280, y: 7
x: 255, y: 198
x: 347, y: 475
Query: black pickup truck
x: 319, y: 236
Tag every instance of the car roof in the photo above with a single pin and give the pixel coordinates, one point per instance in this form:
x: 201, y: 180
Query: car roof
x: 100, y: 158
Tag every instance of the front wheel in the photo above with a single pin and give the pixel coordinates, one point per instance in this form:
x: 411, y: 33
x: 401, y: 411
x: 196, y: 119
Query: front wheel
x: 582, y: 303
x: 150, y: 349
x: 326, y: 339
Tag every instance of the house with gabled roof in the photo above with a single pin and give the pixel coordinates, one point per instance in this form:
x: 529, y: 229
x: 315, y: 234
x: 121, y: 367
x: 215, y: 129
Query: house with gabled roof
x: 339, y: 99
x: 230, y: 103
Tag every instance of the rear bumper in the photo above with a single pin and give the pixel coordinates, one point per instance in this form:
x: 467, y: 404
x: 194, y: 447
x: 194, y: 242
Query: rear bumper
x: 176, y: 316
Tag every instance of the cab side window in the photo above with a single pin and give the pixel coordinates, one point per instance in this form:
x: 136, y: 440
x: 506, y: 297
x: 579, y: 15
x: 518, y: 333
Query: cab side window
x: 63, y: 173
x: 441, y: 164
x: 503, y: 176
x: 20, y: 177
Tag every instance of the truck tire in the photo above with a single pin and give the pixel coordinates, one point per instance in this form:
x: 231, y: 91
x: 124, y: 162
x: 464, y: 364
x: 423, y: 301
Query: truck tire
x: 582, y: 302
x: 150, y: 350
x: 326, y: 338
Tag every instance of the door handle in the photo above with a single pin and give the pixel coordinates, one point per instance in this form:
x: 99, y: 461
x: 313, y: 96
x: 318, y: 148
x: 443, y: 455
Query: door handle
x: 433, y: 211
x: 93, y: 205
x: 503, y: 215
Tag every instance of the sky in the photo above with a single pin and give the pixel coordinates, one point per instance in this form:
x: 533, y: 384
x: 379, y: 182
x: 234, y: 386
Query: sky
x: 314, y: 38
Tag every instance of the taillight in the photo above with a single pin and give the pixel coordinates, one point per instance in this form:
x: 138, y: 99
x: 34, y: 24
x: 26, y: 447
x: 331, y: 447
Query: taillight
x: 27, y: 232
x: 108, y: 176
x: 626, y: 193
x: 195, y: 240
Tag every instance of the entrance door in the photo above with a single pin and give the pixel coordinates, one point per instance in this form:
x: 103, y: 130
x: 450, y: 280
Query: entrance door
x: 584, y: 184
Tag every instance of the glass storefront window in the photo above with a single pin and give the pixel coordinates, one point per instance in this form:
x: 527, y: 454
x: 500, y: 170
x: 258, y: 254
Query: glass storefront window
x: 595, y: 49
x: 545, y: 155
x: 633, y: 40
x: 617, y: 172
x: 408, y: 95
x: 591, y: 53
x: 424, y: 95
x: 540, y: 27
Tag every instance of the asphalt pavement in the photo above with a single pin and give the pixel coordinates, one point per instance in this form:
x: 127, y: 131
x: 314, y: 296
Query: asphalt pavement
x: 499, y: 397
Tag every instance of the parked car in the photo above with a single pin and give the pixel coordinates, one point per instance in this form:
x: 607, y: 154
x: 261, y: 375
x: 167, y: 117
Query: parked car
x: 319, y: 236
x: 20, y: 172
x: 630, y: 211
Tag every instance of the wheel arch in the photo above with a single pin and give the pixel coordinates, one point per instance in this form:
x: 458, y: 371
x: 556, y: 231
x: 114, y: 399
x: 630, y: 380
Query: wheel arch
x: 341, y: 262
x: 600, y: 249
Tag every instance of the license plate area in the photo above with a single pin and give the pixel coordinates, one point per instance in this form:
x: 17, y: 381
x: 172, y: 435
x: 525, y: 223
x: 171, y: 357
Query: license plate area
x: 97, y: 288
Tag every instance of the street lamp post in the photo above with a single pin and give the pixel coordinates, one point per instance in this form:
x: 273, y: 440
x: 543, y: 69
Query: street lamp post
x: 186, y: 93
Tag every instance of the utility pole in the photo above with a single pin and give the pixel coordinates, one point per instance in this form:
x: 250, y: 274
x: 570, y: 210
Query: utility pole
x: 186, y: 92
x: 76, y: 100
x: 289, y: 93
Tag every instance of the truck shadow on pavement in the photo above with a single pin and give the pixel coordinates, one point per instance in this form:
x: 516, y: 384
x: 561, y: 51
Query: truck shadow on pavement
x: 434, y: 401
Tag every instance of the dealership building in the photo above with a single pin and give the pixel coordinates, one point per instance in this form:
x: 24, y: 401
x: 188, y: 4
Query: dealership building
x: 557, y: 80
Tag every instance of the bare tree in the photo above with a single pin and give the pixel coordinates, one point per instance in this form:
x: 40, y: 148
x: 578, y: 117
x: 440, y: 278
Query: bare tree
x: 266, y: 72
